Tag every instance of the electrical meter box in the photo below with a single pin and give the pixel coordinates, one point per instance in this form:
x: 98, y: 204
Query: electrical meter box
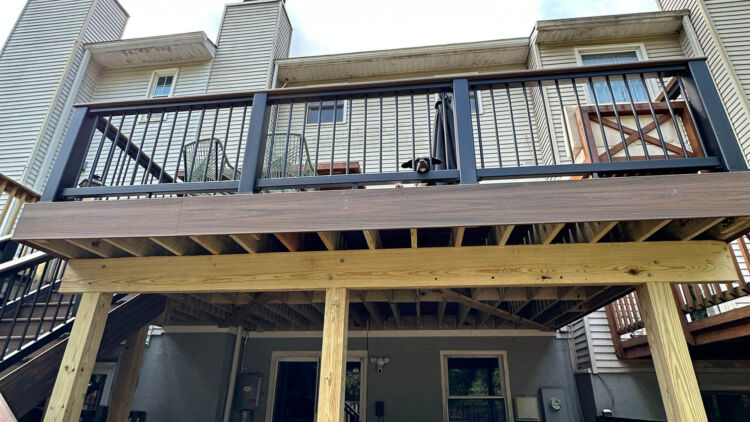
x: 247, y: 393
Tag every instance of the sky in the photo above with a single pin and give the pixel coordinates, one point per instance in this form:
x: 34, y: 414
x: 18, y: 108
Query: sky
x: 340, y: 26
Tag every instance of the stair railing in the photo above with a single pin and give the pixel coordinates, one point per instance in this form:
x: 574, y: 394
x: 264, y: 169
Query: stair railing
x: 13, y: 196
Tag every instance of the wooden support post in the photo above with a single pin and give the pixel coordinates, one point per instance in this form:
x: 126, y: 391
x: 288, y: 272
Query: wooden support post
x: 674, y: 369
x: 127, y: 376
x: 66, y: 401
x: 333, y: 356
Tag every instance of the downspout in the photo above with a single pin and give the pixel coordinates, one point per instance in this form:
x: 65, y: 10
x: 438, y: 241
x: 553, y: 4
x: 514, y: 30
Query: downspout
x: 233, y: 374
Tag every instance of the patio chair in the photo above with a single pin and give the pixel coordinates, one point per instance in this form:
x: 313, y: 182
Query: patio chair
x: 205, y: 160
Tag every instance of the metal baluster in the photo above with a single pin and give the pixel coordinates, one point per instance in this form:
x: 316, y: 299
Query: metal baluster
x: 671, y: 112
x: 413, y: 132
x: 635, y: 116
x: 26, y: 284
x: 349, y: 137
x: 302, y: 140
x: 111, y: 153
x: 617, y: 117
x: 147, y: 173
x: 565, y: 119
x: 552, y: 145
x: 429, y: 126
x: 513, y: 126
x: 531, y: 127
x: 99, y: 151
x: 182, y: 148
x: 240, y: 141
x: 656, y: 120
x: 364, y: 141
x: 55, y: 273
x: 140, y: 148
x: 189, y: 176
x: 286, y: 145
x: 317, y: 141
x: 169, y: 148
x: 479, y: 127
x: 88, y: 146
x: 273, y: 139
x: 444, y: 122
x: 497, y: 130
x: 122, y: 174
x: 333, y: 136
x: 398, y: 166
x: 226, y: 144
x: 692, y: 116
x: 381, y: 133
x: 210, y: 145
x: 601, y: 123
x: 33, y: 305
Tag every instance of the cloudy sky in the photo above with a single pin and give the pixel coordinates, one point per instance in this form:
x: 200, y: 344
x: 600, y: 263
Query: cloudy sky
x: 338, y: 26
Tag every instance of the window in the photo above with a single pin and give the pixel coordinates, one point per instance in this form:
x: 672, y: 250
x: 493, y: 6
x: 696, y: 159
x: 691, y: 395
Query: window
x: 620, y: 91
x: 475, y: 387
x: 324, y: 112
x: 294, y: 383
x: 162, y: 83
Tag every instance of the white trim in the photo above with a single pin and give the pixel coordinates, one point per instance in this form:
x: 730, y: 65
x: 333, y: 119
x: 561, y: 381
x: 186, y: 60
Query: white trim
x: 156, y: 74
x: 692, y: 37
x: 313, y: 356
x: 109, y: 369
x: 323, y: 124
x: 502, y: 357
x: 233, y: 375
x: 639, y: 48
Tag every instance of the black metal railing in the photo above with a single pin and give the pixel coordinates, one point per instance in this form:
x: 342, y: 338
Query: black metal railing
x: 633, y: 118
x: 32, y: 312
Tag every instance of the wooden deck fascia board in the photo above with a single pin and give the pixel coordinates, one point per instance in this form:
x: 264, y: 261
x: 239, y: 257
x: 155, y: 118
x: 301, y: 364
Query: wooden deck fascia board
x: 581, y: 201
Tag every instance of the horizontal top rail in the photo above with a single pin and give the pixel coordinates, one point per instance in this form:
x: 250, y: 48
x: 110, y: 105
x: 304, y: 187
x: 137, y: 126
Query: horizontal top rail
x: 10, y: 185
x: 392, y: 83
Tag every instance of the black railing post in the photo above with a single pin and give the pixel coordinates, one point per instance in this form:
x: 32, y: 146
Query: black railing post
x: 712, y: 120
x: 72, y: 154
x: 464, y: 133
x: 255, y: 146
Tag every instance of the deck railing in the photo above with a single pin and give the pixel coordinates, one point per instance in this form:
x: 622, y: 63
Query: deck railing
x: 633, y: 118
x: 694, y: 301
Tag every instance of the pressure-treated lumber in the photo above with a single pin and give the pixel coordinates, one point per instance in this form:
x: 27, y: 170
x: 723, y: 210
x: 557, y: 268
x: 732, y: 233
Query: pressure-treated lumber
x: 6, y: 415
x: 66, y: 401
x: 674, y: 369
x: 127, y: 376
x: 603, y: 264
x: 333, y: 356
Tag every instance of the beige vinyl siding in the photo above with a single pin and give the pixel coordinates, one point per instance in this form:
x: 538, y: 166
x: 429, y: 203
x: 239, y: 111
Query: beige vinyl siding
x: 723, y: 71
x: 244, y: 56
x: 731, y: 18
x: 284, y: 37
x: 32, y: 66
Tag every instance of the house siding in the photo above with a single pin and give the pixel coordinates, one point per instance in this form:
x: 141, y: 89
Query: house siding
x: 246, y: 47
x: 722, y: 30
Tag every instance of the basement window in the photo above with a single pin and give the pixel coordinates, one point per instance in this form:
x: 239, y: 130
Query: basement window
x: 475, y: 386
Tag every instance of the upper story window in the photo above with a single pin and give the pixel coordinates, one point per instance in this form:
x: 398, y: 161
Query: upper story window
x: 162, y: 83
x: 325, y: 112
x: 620, y: 91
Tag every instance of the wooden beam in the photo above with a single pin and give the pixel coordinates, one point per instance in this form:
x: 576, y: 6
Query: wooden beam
x: 251, y: 243
x: 501, y: 234
x: 548, y: 232
x: 375, y: 316
x: 372, y: 237
x: 523, y: 265
x: 639, y: 231
x: 178, y: 245
x: 332, y: 240
x: 217, y: 245
x: 333, y: 356
x: 292, y: 241
x: 457, y: 236
x: 414, y: 238
x: 674, y: 369
x: 99, y: 248
x: 127, y: 376
x: 243, y: 312
x: 62, y: 248
x: 441, y: 313
x: 689, y: 229
x: 481, y: 306
x: 594, y: 232
x: 73, y: 378
x: 135, y: 246
x: 679, y: 196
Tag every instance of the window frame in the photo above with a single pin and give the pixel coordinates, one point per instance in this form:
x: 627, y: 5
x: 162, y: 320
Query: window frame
x: 344, y: 109
x: 156, y: 74
x: 638, y: 48
x: 502, y: 357
x: 313, y: 356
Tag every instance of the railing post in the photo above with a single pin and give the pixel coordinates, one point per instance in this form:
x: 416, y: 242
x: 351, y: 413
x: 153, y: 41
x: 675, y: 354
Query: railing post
x: 255, y: 146
x: 72, y: 154
x: 713, y: 122
x: 464, y: 133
